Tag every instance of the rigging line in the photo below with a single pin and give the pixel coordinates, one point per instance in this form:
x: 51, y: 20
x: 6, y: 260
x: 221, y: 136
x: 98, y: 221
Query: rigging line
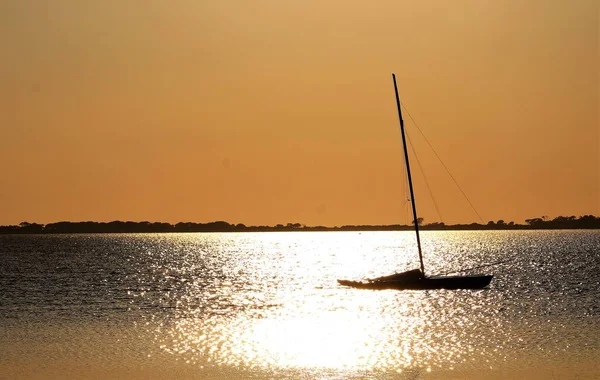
x: 442, y: 162
x: 424, y: 177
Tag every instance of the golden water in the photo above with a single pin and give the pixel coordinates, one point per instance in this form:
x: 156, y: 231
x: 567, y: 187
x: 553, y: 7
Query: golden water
x: 268, y: 305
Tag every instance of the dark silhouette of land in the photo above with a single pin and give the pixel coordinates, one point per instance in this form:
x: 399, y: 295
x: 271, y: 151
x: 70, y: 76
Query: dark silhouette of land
x: 560, y: 222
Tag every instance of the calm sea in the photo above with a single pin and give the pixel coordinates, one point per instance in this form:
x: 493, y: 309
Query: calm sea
x: 267, y: 305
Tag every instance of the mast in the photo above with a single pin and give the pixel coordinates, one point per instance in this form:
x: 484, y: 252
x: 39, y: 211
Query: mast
x: 412, y: 195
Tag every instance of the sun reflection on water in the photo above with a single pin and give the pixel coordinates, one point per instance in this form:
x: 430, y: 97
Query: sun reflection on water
x: 274, y: 302
x: 267, y: 305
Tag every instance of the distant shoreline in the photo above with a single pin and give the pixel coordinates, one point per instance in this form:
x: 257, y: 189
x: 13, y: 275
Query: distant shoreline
x: 561, y: 222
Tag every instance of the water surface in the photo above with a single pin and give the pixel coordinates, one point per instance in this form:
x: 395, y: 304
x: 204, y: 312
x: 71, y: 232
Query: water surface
x: 268, y: 305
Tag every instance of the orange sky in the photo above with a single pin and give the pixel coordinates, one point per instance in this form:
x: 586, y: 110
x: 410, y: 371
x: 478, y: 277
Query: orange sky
x: 266, y: 112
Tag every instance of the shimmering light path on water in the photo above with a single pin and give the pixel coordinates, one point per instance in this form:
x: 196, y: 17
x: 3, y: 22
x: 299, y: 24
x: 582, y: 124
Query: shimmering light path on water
x: 268, y: 304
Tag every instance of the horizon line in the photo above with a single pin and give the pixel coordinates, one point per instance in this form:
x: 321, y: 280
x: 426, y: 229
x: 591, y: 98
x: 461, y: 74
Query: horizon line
x: 298, y: 225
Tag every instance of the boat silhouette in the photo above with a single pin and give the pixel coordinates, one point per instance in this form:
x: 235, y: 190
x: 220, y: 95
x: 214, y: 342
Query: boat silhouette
x: 416, y: 279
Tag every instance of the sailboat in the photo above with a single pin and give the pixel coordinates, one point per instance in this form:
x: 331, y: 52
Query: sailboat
x: 416, y: 278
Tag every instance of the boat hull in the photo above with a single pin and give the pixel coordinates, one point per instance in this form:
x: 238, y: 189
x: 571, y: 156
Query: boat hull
x: 425, y: 283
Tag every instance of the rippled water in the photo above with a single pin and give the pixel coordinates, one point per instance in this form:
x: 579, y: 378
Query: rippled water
x: 268, y: 305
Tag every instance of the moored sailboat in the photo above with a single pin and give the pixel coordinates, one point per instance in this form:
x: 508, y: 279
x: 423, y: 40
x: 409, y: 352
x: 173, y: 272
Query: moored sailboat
x: 416, y: 278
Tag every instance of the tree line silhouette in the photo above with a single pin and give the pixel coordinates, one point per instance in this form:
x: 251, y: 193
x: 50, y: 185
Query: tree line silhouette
x: 560, y: 222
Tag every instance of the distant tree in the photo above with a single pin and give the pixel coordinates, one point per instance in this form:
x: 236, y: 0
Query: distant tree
x: 30, y: 228
x: 535, y: 222
x: 435, y: 226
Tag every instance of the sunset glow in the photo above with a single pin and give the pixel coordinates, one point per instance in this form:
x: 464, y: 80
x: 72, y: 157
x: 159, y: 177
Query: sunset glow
x: 273, y: 112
